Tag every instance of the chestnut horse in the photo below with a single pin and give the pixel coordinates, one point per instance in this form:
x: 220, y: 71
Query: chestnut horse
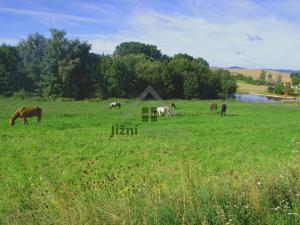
x: 24, y: 113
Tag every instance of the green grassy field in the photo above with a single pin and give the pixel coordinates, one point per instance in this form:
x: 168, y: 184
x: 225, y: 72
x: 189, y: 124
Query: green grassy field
x: 194, y: 168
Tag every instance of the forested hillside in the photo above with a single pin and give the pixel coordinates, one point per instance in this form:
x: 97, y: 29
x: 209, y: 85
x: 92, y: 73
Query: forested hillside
x: 62, y: 67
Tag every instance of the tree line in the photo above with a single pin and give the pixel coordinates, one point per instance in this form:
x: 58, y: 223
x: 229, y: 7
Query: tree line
x: 62, y: 67
x: 295, y: 78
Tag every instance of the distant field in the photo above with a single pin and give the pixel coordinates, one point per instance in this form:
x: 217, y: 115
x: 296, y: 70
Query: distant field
x: 193, y: 168
x: 250, y: 88
x: 256, y: 72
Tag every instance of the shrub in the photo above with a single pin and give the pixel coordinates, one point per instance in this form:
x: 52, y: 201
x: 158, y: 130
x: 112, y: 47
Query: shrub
x: 61, y: 99
x: 279, y: 88
x: 271, y: 89
x: 22, y: 94
x: 93, y: 100
x: 7, y: 94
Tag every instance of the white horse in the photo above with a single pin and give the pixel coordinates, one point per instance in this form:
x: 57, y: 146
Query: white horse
x: 165, y: 110
x: 114, y: 104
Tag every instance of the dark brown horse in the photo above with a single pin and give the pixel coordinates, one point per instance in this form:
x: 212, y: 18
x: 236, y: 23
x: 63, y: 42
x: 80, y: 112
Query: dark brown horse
x: 223, y: 109
x: 24, y: 113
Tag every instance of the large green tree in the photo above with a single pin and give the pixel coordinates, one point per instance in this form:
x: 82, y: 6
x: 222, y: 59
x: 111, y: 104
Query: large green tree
x: 65, y: 70
x: 127, y: 48
x: 189, y: 76
x: 5, y: 81
x: 32, y: 52
x: 12, y: 75
x: 295, y: 77
x: 226, y: 83
x: 62, y: 67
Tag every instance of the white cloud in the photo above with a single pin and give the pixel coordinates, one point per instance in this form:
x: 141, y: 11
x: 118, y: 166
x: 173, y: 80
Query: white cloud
x: 52, y: 16
x: 236, y: 32
x: 105, y: 43
x: 9, y: 41
x: 275, y: 41
x: 99, y: 8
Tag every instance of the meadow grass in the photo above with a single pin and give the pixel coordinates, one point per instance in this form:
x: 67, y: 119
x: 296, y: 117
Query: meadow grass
x: 193, y: 168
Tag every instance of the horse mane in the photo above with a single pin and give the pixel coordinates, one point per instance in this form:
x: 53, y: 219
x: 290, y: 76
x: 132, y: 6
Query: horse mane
x: 16, y: 115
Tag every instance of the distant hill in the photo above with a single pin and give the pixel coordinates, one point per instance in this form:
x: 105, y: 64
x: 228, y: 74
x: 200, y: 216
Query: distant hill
x: 236, y: 67
x: 285, y: 70
x: 266, y: 69
x: 276, y: 73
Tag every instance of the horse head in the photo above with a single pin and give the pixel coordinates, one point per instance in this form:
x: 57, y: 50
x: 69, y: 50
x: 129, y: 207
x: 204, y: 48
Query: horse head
x: 11, y: 122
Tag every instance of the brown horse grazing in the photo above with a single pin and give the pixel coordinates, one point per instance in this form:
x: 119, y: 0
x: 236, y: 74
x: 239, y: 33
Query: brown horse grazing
x: 24, y: 112
x: 213, y: 107
x: 223, y: 109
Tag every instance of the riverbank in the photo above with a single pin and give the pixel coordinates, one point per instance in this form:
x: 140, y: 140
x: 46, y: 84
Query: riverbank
x: 261, y: 90
x: 276, y: 96
x: 255, y: 97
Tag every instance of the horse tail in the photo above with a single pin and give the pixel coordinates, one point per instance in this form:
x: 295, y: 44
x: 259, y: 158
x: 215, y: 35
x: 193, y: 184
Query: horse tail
x: 38, y: 112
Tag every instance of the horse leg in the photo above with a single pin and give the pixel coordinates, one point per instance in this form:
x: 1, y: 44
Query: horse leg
x: 39, y: 119
x: 25, y: 121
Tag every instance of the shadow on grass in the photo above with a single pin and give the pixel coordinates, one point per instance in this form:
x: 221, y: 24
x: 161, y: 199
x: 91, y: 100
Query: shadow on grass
x: 64, y: 126
x: 179, y: 115
x: 231, y: 115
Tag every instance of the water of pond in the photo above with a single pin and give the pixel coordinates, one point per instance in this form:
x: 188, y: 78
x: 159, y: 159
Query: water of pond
x: 258, y: 98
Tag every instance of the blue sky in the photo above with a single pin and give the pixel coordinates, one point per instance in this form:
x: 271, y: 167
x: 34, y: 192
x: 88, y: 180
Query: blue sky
x: 248, y: 33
